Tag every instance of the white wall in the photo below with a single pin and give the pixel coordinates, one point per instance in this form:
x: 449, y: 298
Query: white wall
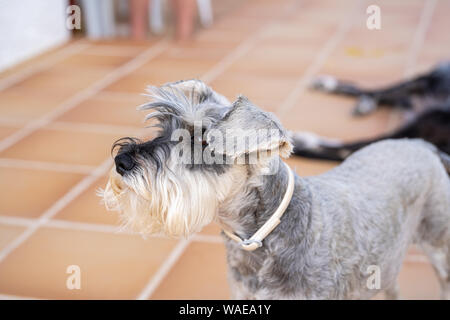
x: 30, y: 27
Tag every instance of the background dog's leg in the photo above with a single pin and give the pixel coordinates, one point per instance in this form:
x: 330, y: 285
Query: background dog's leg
x: 325, y: 149
x: 433, y: 126
x: 397, y: 95
x: 311, y: 146
x: 332, y: 85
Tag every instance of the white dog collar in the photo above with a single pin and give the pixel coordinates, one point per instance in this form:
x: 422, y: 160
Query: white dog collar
x: 255, y: 241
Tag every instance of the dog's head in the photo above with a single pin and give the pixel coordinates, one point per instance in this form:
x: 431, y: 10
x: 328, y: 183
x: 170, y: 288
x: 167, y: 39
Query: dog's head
x: 175, y: 183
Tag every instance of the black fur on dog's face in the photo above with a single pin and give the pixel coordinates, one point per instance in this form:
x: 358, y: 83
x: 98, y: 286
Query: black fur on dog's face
x: 192, y: 115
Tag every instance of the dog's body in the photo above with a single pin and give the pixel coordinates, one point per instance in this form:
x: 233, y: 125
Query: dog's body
x: 337, y: 226
x: 425, y: 97
x: 363, y: 213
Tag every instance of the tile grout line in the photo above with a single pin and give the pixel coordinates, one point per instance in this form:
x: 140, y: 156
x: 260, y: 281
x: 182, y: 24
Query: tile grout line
x: 318, y: 62
x: 84, y: 94
x: 237, y: 53
x: 71, y: 49
x: 419, y: 36
x: 45, y: 166
x: 208, y: 77
x: 413, y: 52
x: 164, y: 269
x: 90, y: 127
x: 93, y: 227
x: 101, y: 228
x: 112, y: 51
x: 124, y: 95
x: 207, y: 238
x: 100, y: 128
x: 16, y: 221
x: 244, y: 47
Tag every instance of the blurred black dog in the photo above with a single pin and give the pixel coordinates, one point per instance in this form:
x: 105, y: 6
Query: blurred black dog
x: 426, y: 96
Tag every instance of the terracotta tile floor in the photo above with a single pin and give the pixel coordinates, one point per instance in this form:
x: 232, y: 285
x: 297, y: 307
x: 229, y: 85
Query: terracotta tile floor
x: 60, y: 113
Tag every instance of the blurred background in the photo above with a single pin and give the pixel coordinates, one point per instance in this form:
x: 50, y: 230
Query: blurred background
x: 71, y: 75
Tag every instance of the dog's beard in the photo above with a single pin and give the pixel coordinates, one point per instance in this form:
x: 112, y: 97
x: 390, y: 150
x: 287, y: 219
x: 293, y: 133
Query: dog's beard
x: 166, y: 204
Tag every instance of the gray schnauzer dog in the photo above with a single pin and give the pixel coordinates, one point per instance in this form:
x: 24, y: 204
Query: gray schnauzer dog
x: 304, y: 238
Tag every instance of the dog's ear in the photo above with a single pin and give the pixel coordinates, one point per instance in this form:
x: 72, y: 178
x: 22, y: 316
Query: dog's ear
x: 197, y: 91
x: 246, y: 129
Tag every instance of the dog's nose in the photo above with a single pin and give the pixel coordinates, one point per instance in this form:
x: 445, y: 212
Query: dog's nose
x: 124, y: 162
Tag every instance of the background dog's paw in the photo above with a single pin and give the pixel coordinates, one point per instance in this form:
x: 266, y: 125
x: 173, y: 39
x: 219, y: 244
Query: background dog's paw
x: 364, y: 106
x: 324, y: 83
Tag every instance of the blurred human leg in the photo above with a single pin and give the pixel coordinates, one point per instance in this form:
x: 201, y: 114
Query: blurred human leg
x: 185, y: 14
x: 138, y: 14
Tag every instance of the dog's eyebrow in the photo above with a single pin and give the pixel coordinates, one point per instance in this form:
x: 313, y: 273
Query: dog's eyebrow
x: 124, y: 142
x: 172, y: 99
